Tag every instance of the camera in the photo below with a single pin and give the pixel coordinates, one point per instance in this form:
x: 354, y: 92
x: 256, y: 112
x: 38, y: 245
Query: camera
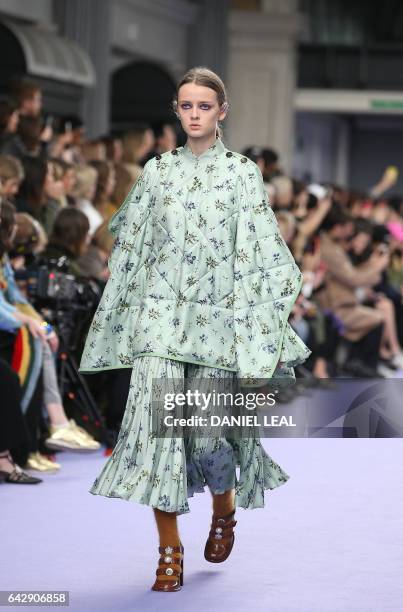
x: 48, y: 284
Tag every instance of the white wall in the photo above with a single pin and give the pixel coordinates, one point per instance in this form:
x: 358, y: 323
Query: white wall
x: 261, y: 80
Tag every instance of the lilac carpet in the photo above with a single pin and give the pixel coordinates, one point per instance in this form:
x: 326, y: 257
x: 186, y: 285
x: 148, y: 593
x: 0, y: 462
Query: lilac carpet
x: 330, y: 539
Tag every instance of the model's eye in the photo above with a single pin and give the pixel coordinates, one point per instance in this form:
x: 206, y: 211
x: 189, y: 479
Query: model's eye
x: 185, y: 105
x: 205, y: 106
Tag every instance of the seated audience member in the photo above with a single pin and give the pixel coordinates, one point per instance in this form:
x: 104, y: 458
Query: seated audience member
x: 255, y: 153
x: 106, y: 181
x: 14, y: 435
x: 74, y: 126
x: 113, y: 148
x: 94, y: 150
x: 18, y: 316
x: 28, y: 97
x: 360, y: 248
x: 11, y: 176
x: 94, y: 262
x: 309, y: 212
x: 394, y: 221
x: 9, y: 118
x: 283, y: 192
x: 136, y: 145
x: 84, y: 191
x: 362, y: 326
x: 69, y: 182
x: 37, y: 192
x: 165, y: 139
x: 69, y: 239
x: 271, y: 165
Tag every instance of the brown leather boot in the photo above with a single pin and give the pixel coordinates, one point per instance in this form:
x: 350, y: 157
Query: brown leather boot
x: 221, y: 538
x: 170, y: 564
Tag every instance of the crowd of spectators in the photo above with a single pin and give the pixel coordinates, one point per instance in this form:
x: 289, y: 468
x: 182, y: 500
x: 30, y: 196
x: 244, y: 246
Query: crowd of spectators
x: 58, y: 191
x: 348, y: 245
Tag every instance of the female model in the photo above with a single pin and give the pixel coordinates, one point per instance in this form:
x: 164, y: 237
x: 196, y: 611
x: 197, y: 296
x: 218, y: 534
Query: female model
x: 201, y: 287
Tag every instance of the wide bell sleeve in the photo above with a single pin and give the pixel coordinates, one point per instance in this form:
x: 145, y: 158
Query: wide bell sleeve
x: 267, y: 282
x: 135, y: 203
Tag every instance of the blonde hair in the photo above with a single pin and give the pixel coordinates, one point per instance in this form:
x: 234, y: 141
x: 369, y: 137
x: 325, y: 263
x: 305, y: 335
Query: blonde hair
x: 86, y: 180
x: 103, y: 239
x: 29, y: 230
x: 200, y: 75
x: 56, y: 168
x: 11, y: 168
x: 93, y: 150
x: 131, y: 143
x: 124, y: 182
x: 282, y: 185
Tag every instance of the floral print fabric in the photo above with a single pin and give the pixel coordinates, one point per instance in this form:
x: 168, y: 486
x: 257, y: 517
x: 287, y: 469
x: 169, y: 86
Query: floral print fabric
x: 199, y: 272
x: 164, y: 473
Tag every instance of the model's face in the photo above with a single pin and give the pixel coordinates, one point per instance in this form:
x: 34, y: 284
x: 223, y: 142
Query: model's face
x: 199, y: 110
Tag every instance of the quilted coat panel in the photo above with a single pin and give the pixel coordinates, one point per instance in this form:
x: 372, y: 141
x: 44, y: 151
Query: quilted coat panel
x: 199, y: 271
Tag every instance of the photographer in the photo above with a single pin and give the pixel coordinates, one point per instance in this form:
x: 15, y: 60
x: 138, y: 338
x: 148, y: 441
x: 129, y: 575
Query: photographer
x: 16, y: 313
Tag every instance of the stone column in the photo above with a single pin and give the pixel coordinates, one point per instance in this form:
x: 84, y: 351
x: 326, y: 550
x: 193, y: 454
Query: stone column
x: 89, y: 23
x: 208, y: 37
x: 262, y: 77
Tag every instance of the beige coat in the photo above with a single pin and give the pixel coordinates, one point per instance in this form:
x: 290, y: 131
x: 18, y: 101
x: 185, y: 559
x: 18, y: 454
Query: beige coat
x: 342, y: 279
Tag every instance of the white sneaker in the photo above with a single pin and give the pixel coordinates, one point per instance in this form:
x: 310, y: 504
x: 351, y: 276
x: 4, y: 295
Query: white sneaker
x: 385, y: 372
x: 85, y: 435
x: 69, y: 438
x: 397, y: 360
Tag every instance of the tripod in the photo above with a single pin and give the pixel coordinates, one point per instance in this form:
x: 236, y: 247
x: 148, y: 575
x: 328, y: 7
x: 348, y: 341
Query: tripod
x: 73, y: 388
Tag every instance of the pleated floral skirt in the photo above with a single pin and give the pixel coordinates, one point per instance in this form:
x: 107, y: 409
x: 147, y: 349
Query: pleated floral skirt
x: 164, y: 472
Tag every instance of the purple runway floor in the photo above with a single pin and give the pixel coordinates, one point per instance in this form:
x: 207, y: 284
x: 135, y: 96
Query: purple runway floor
x: 329, y: 540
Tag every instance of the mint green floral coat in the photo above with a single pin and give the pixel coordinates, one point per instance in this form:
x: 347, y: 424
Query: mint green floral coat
x: 199, y: 271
